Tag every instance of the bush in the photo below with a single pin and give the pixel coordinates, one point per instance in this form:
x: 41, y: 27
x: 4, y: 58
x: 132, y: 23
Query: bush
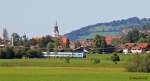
x: 7, y: 53
x: 67, y: 59
x: 139, y: 63
x: 96, y: 61
x: 18, y: 53
x: 34, y: 54
x: 115, y: 58
x: 134, y: 64
x: 1, y: 52
x: 95, y: 50
x: 146, y: 63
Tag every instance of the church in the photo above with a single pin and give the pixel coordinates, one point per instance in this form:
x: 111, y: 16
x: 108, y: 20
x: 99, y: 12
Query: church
x: 56, y: 31
x: 62, y: 39
x: 55, y: 34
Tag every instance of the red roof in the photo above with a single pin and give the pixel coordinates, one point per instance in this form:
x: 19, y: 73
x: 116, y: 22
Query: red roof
x: 109, y: 38
x: 134, y: 45
x: 64, y: 39
x: 143, y: 45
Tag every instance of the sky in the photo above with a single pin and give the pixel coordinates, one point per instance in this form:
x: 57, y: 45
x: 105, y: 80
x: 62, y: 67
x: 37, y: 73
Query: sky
x: 38, y: 17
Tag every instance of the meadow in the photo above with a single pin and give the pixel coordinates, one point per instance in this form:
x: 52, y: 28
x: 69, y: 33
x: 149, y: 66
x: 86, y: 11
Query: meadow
x: 56, y: 69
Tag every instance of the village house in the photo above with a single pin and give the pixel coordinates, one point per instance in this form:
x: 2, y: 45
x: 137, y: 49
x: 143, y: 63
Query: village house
x: 89, y: 42
x: 86, y: 43
x: 135, y: 48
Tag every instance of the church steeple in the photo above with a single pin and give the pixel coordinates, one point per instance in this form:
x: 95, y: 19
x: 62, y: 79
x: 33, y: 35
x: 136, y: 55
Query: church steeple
x: 56, y: 23
x: 56, y: 31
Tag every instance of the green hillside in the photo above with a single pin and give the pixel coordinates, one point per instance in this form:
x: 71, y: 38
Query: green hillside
x: 109, y: 28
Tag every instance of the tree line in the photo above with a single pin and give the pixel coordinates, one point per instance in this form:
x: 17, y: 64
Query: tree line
x: 11, y: 53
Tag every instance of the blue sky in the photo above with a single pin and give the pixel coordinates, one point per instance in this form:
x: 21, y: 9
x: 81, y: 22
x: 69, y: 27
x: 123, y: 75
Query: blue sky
x: 37, y: 17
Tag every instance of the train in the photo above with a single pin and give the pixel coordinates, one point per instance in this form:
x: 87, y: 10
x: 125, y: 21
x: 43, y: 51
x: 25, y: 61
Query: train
x: 65, y: 54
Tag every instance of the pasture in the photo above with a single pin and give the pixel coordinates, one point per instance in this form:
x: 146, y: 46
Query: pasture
x: 105, y: 61
x: 56, y: 69
x: 69, y: 74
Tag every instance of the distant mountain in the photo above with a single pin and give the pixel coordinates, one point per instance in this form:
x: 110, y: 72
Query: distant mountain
x: 108, y: 28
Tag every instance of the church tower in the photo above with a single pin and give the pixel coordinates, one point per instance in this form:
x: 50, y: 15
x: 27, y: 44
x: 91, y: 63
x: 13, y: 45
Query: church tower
x: 56, y: 31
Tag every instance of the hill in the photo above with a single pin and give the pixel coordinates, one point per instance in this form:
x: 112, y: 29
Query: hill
x: 108, y: 28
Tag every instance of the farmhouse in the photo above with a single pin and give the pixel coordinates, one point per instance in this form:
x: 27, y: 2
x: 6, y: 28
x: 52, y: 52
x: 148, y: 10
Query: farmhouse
x: 135, y: 47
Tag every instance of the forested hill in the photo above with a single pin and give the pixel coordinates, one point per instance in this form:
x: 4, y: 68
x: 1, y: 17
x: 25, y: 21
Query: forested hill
x: 108, y: 28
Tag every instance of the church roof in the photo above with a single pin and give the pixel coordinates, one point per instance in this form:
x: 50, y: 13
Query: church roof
x: 56, y: 28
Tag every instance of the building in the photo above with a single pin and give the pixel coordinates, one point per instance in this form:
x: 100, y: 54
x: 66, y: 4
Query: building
x: 62, y: 39
x: 109, y: 38
x: 37, y: 37
x: 86, y: 43
x: 4, y: 38
x: 1, y: 41
x: 1, y: 36
x: 56, y: 31
x: 135, y: 48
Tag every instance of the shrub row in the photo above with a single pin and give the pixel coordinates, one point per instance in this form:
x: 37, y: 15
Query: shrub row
x: 139, y: 63
x: 10, y: 53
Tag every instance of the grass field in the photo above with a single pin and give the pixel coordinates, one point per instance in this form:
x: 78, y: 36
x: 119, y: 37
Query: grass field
x: 77, y: 70
x: 69, y: 74
x: 60, y: 62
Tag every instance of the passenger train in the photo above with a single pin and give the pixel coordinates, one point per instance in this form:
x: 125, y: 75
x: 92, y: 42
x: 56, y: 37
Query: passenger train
x: 65, y: 54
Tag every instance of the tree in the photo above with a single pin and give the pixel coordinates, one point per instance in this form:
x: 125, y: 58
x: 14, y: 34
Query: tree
x: 50, y: 46
x: 1, y: 52
x: 148, y: 38
x: 8, y: 53
x: 44, y: 41
x: 77, y: 44
x: 132, y: 36
x: 25, y: 41
x: 16, y: 39
x: 115, y: 58
x: 33, y: 42
x: 142, y: 40
x: 99, y: 43
x: 56, y: 41
x: 116, y: 42
x: 41, y: 44
x: 56, y: 44
x: 147, y: 26
x: 47, y: 39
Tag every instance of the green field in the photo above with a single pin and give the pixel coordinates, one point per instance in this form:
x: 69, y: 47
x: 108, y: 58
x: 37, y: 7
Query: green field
x: 61, y: 62
x: 56, y: 69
